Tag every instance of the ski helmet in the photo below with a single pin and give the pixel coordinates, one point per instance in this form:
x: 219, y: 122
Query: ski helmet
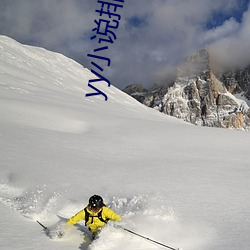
x: 95, y: 202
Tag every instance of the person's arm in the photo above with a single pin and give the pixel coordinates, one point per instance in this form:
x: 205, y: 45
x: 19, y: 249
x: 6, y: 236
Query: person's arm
x: 111, y: 215
x: 77, y: 217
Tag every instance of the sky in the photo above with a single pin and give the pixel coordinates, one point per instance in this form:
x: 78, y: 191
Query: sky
x: 153, y: 36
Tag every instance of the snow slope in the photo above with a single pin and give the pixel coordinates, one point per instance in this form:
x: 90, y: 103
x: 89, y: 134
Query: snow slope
x: 176, y: 183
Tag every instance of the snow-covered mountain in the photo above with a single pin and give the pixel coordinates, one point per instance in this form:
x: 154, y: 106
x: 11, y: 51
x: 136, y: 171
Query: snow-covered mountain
x: 201, y: 96
x: 182, y: 185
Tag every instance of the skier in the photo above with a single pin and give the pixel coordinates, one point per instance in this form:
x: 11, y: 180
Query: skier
x: 95, y: 214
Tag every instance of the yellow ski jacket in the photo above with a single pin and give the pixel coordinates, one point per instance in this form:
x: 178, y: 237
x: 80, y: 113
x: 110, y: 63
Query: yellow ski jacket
x: 94, y: 223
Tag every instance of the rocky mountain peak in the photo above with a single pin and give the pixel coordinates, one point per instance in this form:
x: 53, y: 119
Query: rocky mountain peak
x: 196, y: 64
x: 202, y: 97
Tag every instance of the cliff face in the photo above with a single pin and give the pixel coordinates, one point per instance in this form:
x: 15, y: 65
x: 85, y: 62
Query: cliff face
x: 237, y: 81
x: 201, y: 97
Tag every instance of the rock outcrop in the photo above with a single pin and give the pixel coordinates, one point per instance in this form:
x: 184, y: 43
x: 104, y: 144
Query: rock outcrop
x: 199, y: 96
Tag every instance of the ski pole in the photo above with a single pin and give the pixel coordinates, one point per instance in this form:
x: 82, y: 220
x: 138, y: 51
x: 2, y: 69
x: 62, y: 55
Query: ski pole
x: 45, y: 228
x: 146, y: 238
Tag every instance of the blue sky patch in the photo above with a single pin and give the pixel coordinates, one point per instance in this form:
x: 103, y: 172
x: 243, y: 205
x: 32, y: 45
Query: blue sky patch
x: 136, y: 21
x: 219, y: 17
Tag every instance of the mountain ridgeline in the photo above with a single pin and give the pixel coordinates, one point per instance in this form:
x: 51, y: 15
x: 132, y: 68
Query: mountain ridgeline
x: 201, y: 94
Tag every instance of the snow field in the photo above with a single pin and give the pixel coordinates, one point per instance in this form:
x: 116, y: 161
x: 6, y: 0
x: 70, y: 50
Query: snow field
x: 181, y: 185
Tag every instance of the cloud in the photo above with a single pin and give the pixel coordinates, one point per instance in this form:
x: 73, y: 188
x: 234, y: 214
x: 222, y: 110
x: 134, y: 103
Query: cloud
x: 233, y: 49
x: 228, y: 28
x: 153, y: 36
x: 51, y: 23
